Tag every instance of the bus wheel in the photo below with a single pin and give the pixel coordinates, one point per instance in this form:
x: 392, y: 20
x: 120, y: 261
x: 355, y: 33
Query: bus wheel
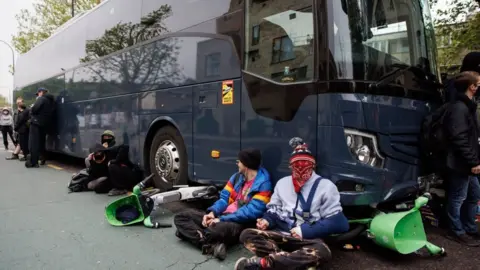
x: 168, y: 158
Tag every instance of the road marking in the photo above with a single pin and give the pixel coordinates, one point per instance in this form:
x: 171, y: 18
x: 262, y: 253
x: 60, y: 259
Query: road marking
x: 54, y: 167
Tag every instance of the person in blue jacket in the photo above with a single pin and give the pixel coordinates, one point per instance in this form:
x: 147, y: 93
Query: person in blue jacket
x: 304, y: 208
x: 241, y: 203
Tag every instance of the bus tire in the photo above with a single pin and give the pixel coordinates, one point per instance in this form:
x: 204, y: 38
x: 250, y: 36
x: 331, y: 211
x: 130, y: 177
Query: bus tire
x: 168, y: 158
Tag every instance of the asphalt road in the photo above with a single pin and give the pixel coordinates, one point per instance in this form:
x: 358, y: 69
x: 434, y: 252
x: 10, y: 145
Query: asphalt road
x: 44, y: 227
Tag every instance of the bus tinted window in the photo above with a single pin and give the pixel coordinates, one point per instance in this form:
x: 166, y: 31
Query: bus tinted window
x: 279, y: 41
x: 370, y: 38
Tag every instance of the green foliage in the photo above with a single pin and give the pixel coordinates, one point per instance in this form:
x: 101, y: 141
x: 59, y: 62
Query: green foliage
x: 47, y: 16
x: 457, y: 28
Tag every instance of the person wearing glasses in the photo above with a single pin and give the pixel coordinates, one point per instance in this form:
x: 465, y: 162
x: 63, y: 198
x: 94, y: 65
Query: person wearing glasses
x: 241, y: 202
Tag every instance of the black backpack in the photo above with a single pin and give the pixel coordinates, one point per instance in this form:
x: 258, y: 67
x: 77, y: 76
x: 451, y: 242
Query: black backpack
x: 433, y: 141
x: 79, y: 182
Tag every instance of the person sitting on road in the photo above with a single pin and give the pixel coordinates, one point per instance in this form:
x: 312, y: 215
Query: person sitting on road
x: 107, y: 140
x: 119, y: 174
x: 241, y: 202
x: 304, y: 209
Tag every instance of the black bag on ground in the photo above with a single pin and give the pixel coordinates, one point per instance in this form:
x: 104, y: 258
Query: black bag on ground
x: 79, y: 182
x: 433, y: 141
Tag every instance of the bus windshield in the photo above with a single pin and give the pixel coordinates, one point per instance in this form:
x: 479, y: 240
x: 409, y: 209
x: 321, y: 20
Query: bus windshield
x: 369, y: 39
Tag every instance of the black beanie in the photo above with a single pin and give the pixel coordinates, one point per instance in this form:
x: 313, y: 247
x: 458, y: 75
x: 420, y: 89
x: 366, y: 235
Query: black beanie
x: 251, y: 158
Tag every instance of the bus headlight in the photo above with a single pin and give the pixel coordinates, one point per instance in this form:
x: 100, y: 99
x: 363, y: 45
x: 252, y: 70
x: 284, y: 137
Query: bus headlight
x: 363, y: 147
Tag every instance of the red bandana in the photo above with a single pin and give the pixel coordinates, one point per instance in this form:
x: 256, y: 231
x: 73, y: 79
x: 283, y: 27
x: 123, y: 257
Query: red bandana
x: 301, y: 171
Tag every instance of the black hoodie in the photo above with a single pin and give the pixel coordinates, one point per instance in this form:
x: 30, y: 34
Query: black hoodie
x: 471, y: 62
x: 42, y: 112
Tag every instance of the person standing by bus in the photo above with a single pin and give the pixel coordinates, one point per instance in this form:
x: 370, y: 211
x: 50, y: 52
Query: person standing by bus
x: 463, y: 161
x: 16, y: 152
x: 41, y: 115
x: 22, y: 127
x: 6, y: 125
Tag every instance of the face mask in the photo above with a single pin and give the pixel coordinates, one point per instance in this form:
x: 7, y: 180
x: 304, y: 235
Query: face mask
x: 302, y: 170
x: 108, y: 139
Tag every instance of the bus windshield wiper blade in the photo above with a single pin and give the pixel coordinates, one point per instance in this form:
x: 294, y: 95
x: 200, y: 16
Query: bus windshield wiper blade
x: 391, y: 76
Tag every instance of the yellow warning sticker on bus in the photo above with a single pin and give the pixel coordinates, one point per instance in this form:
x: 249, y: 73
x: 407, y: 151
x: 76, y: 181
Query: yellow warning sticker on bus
x: 227, y: 92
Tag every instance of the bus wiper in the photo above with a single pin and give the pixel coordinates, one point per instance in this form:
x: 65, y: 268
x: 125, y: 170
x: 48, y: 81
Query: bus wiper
x: 391, y: 76
x: 401, y: 69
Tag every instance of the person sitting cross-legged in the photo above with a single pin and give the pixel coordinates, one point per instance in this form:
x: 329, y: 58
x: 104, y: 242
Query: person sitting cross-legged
x: 304, y: 208
x: 241, y: 202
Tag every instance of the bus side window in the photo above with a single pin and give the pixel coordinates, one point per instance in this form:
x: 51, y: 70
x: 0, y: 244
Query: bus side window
x: 279, y: 40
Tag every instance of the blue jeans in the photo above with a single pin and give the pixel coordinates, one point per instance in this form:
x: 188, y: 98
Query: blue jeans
x: 463, y: 195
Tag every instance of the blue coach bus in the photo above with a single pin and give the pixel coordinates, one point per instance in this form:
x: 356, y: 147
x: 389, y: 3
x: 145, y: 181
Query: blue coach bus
x: 187, y: 84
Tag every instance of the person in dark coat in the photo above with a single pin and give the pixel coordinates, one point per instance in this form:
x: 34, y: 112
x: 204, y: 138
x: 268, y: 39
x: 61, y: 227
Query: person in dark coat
x: 22, y: 127
x: 16, y: 152
x: 120, y: 173
x: 463, y: 161
x: 41, y: 115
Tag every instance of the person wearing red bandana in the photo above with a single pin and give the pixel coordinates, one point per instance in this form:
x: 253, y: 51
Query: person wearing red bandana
x: 304, y: 209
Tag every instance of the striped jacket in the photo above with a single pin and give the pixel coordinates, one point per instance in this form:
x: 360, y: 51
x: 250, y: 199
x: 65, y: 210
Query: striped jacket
x: 257, y: 199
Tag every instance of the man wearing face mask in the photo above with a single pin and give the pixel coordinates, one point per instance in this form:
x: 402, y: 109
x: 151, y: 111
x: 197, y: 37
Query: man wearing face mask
x: 241, y: 202
x: 6, y: 126
x: 107, y: 140
x: 97, y: 161
x: 304, y: 209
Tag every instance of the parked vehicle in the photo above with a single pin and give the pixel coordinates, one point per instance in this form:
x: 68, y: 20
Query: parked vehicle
x: 196, y: 82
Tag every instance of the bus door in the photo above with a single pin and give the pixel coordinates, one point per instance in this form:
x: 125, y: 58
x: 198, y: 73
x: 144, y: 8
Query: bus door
x: 216, y: 128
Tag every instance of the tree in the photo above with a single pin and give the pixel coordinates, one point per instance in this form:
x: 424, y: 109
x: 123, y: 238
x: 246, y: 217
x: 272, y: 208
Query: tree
x: 145, y: 67
x: 47, y: 16
x: 457, y: 28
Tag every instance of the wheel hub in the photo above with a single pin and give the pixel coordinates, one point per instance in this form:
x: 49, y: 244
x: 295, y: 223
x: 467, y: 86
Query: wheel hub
x: 167, y: 161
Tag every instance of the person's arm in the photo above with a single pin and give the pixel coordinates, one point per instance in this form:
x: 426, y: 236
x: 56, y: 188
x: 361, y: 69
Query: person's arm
x: 456, y: 123
x: 329, y: 206
x: 254, y: 208
x: 273, y: 208
x: 222, y: 203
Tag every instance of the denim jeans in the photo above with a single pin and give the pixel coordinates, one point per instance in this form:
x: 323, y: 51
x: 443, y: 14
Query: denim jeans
x: 463, y: 195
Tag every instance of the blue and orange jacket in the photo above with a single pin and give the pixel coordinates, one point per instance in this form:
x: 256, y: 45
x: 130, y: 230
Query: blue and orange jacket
x: 258, y: 197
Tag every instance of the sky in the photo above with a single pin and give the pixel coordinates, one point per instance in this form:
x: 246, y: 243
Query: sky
x: 8, y: 27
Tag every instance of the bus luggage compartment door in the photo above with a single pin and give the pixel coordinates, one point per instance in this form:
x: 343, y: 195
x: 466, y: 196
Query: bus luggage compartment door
x: 216, y: 128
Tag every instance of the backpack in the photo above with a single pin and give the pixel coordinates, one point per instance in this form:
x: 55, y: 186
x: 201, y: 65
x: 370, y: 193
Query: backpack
x: 79, y: 182
x: 433, y: 141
